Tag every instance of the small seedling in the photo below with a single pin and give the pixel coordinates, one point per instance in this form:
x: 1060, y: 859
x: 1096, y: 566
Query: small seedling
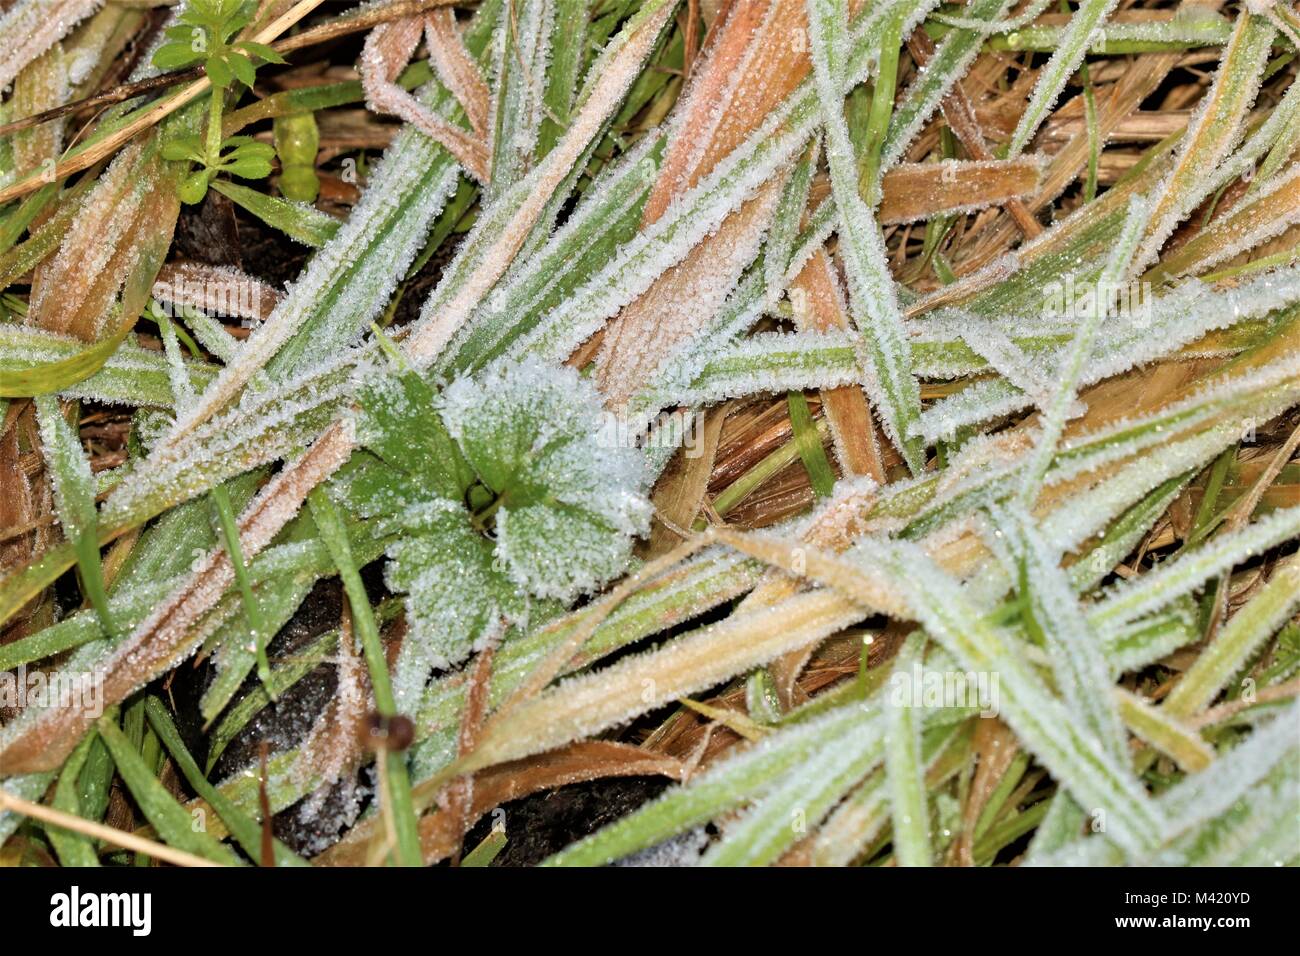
x: 204, y: 34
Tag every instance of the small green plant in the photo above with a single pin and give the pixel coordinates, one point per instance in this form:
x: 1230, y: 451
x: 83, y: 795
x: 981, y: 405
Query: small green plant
x: 204, y: 34
x: 509, y: 494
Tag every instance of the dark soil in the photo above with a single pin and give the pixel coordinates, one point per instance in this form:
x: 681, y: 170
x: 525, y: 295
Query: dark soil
x: 547, y: 822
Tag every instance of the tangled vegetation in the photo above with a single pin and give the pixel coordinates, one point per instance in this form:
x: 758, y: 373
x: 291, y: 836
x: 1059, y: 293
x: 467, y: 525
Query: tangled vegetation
x: 866, y: 427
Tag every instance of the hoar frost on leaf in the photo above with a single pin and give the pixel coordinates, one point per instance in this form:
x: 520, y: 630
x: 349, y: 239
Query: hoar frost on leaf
x: 571, y: 495
x: 506, y: 489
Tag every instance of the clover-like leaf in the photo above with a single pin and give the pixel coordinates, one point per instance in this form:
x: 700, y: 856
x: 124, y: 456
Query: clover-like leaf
x: 570, y: 496
x: 455, y: 597
x: 507, y: 495
x: 399, y: 423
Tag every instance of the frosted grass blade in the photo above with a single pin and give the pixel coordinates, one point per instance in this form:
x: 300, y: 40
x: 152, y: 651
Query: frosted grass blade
x: 1056, y: 620
x: 949, y: 63
x: 1129, y: 600
x: 800, y: 801
x: 74, y: 488
x: 1270, y: 608
x: 1069, y: 53
x: 904, y: 770
x: 1212, y: 132
x: 722, y: 787
x: 1076, y: 759
x: 886, y: 358
x: 1080, y: 350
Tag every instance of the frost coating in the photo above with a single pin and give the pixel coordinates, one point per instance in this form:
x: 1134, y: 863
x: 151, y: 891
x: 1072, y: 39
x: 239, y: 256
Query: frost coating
x: 571, y: 497
x: 507, y: 489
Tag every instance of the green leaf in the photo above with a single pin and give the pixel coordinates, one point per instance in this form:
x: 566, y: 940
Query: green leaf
x: 219, y: 72
x: 185, y: 148
x: 298, y: 221
x: 251, y: 167
x: 242, y: 67
x: 176, y: 55
x: 455, y: 596
x: 74, y: 489
x: 74, y: 849
x: 194, y: 187
x: 398, y: 421
x: 262, y: 50
x: 570, y: 490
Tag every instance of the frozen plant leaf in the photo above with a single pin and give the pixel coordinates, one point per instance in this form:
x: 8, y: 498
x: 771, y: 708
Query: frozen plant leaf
x: 455, y: 595
x: 506, y: 488
x: 398, y: 423
x: 568, y: 496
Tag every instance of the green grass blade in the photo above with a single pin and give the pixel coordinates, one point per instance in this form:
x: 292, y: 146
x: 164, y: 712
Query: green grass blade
x: 1069, y: 53
x: 246, y: 830
x: 74, y: 489
x: 172, y: 822
x: 873, y: 297
x: 904, y: 770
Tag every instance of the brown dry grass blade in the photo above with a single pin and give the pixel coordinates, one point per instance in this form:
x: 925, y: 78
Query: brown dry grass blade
x: 960, y: 114
x: 730, y: 43
x: 819, y: 306
x: 680, y: 493
x: 387, y: 51
x: 333, y: 745
x: 457, y: 69
x: 682, y: 299
x: 123, y: 227
x: 26, y: 511
x: 41, y: 85
x: 913, y: 191
x: 216, y: 289
x: 995, y: 746
x: 748, y: 66
x: 1124, y: 96
x: 460, y: 796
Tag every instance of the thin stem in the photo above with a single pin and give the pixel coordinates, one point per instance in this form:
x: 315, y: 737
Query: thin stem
x: 212, y: 152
